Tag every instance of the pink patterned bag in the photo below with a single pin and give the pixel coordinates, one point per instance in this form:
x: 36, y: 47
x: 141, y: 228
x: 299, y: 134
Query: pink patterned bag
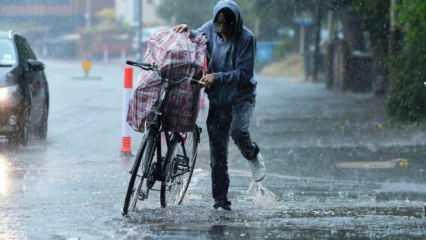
x: 178, y: 57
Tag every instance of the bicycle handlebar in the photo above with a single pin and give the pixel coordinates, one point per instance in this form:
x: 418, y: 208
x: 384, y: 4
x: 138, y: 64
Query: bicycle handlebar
x: 144, y: 66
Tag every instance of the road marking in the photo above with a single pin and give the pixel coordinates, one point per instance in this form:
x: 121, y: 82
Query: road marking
x: 394, y: 163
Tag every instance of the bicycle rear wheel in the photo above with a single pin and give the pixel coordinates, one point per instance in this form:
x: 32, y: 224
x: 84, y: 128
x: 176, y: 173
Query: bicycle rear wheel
x: 179, y: 167
x: 139, y: 173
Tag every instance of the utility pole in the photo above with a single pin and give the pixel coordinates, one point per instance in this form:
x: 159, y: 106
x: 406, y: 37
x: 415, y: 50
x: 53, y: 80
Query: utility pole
x: 138, y: 27
x: 303, y: 20
x: 317, y: 40
x: 302, y: 40
x: 88, y: 14
x: 331, y: 26
x: 88, y: 26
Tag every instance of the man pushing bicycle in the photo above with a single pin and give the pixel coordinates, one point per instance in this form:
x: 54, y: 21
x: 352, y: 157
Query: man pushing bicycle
x: 231, y: 89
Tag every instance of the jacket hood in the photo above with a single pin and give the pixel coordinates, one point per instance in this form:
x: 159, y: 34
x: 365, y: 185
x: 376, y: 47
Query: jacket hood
x: 235, y: 8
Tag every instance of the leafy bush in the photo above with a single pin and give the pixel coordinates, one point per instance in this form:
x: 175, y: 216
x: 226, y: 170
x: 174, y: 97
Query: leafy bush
x: 407, y: 96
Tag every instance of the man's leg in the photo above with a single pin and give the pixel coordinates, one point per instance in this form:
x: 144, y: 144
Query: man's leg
x: 241, y: 116
x: 218, y: 124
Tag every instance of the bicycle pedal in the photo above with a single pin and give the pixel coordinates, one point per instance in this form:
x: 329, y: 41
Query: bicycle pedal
x: 182, y: 163
x: 180, y: 159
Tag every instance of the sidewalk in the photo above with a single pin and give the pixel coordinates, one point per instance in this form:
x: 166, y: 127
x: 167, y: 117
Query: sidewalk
x: 306, y: 130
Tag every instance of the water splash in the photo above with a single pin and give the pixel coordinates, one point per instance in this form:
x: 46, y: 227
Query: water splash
x: 262, y: 196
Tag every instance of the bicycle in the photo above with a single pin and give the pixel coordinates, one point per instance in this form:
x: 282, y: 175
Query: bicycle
x: 172, y: 166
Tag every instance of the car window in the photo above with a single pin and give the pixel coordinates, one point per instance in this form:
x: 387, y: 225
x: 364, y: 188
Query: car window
x: 7, y: 52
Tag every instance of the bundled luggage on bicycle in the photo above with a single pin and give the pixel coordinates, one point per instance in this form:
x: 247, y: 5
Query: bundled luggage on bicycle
x: 179, y: 58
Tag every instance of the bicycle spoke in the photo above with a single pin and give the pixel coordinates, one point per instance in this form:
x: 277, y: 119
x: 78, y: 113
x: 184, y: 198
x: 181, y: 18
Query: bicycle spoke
x: 180, y: 168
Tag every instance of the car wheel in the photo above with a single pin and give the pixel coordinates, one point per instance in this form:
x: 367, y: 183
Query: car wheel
x: 12, y: 140
x: 24, y: 127
x: 22, y: 135
x: 42, y: 127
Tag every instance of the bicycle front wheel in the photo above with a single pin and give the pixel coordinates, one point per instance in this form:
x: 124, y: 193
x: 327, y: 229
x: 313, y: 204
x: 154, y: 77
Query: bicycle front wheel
x: 140, y: 170
x: 179, y: 167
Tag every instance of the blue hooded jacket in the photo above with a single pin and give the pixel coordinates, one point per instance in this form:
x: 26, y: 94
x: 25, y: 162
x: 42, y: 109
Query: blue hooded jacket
x: 232, y: 61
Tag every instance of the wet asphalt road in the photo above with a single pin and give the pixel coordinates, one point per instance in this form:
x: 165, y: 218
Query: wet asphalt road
x: 334, y: 171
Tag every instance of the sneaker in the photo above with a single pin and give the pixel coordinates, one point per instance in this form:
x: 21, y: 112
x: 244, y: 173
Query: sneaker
x: 258, y: 169
x: 225, y: 205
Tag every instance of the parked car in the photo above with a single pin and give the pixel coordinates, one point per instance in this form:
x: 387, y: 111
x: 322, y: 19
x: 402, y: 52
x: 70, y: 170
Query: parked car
x: 24, y: 91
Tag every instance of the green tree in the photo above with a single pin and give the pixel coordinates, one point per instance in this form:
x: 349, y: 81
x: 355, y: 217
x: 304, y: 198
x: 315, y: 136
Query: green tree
x: 191, y: 12
x: 407, y: 97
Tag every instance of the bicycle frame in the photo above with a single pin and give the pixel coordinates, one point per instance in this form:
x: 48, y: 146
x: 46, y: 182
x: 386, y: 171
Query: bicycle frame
x: 164, y: 168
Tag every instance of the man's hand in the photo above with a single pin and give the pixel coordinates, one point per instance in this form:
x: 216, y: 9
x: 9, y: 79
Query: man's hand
x: 208, y: 80
x: 181, y: 28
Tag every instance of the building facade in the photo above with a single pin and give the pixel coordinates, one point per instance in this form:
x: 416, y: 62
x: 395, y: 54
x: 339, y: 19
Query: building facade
x: 125, y: 11
x: 54, y: 16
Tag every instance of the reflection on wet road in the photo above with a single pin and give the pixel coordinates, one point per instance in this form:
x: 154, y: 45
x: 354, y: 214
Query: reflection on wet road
x: 334, y: 171
x: 4, y: 176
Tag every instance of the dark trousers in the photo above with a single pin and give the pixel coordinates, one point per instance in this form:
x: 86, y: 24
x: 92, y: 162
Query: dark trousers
x: 223, y: 122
